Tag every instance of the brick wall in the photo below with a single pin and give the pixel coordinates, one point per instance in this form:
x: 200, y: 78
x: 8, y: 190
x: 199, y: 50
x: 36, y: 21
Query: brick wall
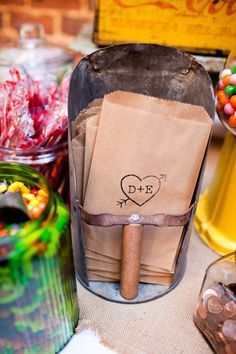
x: 62, y: 18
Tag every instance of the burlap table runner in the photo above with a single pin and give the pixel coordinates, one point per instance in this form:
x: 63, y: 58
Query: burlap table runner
x: 162, y: 326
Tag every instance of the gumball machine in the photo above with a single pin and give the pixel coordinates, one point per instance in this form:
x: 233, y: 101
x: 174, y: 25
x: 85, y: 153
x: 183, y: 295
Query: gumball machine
x: 215, y: 217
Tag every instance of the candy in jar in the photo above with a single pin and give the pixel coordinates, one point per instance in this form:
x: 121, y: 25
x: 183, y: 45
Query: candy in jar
x: 226, y: 93
x: 215, y: 315
x: 38, y: 302
x: 33, y: 129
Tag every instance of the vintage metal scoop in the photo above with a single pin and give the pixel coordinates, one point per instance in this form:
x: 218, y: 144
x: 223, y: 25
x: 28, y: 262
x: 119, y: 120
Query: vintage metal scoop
x: 156, y: 71
x: 132, y: 240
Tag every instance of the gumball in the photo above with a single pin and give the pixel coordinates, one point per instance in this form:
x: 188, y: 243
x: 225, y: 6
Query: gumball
x: 42, y: 192
x: 220, y: 93
x: 232, y: 79
x: 224, y: 100
x: 233, y: 69
x: 233, y: 101
x: 229, y: 90
x: 232, y: 121
x: 42, y: 198
x: 34, y: 192
x: 228, y: 109
x: 35, y: 212
x: 225, y: 80
x: 42, y: 206
x: 219, y: 107
x: 225, y: 72
x: 221, y: 86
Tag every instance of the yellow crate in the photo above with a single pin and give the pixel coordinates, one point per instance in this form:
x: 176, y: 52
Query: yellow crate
x: 205, y: 26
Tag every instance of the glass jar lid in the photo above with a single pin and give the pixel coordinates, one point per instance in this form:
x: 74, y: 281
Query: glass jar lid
x: 32, y: 50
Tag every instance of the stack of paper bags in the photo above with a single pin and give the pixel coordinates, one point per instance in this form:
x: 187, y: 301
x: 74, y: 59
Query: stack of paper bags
x: 137, y: 154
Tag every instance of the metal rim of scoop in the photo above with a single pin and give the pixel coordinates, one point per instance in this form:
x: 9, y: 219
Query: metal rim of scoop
x: 155, y: 70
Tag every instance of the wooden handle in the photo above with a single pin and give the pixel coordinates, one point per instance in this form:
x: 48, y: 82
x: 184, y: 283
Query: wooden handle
x: 130, y: 263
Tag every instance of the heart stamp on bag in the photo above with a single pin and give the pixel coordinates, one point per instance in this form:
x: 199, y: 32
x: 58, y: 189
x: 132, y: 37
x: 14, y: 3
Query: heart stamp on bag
x: 139, y: 190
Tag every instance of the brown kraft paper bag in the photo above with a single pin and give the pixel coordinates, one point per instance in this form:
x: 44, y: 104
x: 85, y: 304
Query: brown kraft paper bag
x: 145, y: 155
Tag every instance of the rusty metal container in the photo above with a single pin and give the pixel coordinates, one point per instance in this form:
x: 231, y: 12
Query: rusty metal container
x: 153, y: 70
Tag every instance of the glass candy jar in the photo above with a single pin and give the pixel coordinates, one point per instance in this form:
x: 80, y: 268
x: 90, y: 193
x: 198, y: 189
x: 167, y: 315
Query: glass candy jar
x: 226, y: 93
x: 34, y: 124
x: 215, y: 315
x: 38, y: 302
x: 33, y: 55
x: 52, y: 162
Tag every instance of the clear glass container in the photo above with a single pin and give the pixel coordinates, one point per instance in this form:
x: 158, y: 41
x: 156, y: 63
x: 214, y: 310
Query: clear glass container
x: 40, y: 101
x: 38, y: 301
x: 226, y: 93
x: 215, y: 315
x: 33, y: 55
x: 51, y: 162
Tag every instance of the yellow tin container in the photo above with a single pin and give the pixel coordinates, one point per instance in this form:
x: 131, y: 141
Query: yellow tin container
x: 199, y: 26
x: 215, y: 218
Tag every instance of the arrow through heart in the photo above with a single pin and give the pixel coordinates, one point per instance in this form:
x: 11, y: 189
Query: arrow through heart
x: 140, y: 190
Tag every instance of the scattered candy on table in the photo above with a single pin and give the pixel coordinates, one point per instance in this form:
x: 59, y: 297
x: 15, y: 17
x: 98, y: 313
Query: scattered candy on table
x: 226, y: 96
